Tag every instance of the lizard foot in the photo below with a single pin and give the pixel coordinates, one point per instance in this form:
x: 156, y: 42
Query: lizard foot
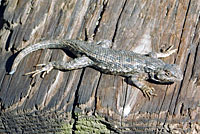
x: 168, y: 52
x: 148, y: 91
x: 44, y: 70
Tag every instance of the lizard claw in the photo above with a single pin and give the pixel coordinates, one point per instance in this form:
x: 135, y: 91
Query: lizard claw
x: 40, y: 65
x: 44, y: 70
x: 168, y: 52
x: 148, y: 91
x: 170, y: 48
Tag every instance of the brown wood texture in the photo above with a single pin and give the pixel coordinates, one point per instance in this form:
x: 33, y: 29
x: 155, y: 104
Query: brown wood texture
x: 129, y: 24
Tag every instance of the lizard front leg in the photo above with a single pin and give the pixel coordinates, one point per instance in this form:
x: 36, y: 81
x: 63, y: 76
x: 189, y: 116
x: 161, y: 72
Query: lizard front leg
x: 137, y: 80
x: 169, y: 52
x: 77, y: 63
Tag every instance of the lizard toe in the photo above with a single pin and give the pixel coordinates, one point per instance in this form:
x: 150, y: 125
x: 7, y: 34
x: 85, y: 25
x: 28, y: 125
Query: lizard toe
x: 44, y: 70
x: 148, y: 92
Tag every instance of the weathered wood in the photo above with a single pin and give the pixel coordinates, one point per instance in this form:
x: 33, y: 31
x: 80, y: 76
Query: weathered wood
x: 131, y: 25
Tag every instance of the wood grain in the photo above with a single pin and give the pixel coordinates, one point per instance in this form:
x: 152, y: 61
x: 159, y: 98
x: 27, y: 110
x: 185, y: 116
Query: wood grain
x: 154, y: 25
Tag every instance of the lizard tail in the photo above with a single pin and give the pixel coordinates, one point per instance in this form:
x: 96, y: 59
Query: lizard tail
x: 41, y: 45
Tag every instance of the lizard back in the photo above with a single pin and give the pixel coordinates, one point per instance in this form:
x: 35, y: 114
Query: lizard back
x: 119, y: 61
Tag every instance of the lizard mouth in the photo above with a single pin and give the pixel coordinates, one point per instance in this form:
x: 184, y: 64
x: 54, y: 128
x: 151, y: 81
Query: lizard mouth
x: 167, y: 79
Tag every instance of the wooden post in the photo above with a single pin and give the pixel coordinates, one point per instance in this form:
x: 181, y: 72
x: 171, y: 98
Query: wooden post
x: 51, y: 104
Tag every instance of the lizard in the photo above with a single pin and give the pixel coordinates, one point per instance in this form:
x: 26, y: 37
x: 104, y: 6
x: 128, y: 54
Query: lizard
x: 136, y: 67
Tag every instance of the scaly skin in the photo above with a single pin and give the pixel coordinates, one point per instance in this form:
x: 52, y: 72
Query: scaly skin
x: 134, y: 66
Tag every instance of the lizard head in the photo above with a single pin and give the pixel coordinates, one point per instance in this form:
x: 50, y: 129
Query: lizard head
x: 169, y: 73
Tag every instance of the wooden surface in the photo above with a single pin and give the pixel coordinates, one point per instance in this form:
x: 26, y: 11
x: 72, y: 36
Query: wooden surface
x: 131, y: 25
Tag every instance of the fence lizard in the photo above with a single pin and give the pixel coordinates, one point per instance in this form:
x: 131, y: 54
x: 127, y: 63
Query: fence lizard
x: 136, y: 67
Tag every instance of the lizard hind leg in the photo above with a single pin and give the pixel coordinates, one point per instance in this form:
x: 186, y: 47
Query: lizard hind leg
x: 77, y: 63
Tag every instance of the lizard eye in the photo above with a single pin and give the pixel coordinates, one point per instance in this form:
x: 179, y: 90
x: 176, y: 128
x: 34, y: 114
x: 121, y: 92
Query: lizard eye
x: 167, y: 73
